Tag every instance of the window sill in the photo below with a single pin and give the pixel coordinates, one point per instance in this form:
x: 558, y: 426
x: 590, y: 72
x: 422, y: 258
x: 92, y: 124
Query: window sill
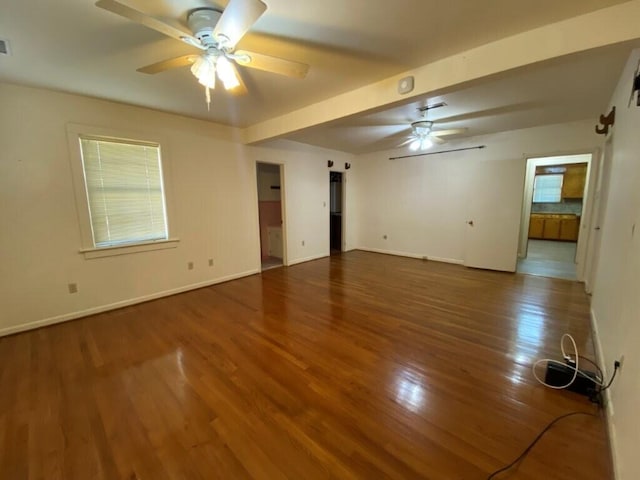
x: 101, y: 252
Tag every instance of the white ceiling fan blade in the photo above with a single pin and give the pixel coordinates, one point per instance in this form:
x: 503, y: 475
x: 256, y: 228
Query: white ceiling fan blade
x: 164, y: 65
x: 124, y: 11
x: 436, y: 140
x: 446, y: 133
x: 236, y: 19
x: 271, y: 64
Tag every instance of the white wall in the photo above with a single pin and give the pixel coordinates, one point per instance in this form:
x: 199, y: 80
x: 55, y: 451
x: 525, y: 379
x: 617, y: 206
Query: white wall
x: 306, y: 197
x: 422, y: 203
x: 616, y: 294
x: 214, y: 198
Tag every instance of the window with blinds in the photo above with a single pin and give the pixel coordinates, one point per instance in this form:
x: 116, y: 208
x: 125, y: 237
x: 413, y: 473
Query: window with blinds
x: 547, y: 188
x: 125, y: 191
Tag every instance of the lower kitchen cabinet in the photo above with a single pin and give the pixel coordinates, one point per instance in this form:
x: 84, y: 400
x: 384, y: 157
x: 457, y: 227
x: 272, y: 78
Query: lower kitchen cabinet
x: 536, y: 227
x: 551, y: 229
x: 569, y: 229
x: 554, y: 227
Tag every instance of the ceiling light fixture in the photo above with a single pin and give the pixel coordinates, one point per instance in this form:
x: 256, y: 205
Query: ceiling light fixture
x: 213, y: 64
x: 227, y: 74
x: 423, y: 142
x: 204, y: 69
x: 421, y: 130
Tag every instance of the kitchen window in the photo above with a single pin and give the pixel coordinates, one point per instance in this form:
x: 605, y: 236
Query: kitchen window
x: 547, y: 188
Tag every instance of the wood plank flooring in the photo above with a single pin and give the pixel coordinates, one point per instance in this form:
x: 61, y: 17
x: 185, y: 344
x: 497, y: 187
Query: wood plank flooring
x: 357, y: 366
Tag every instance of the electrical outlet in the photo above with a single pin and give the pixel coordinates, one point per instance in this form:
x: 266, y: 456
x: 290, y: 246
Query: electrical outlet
x: 190, y: 265
x: 73, y: 288
x: 211, y: 262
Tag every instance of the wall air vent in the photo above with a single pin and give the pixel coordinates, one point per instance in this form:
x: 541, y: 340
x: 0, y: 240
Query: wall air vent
x: 4, y: 47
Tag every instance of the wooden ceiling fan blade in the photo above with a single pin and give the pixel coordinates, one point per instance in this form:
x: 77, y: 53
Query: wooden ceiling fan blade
x: 132, y: 14
x: 407, y: 141
x: 446, y: 133
x: 267, y: 63
x: 236, y: 19
x: 164, y: 65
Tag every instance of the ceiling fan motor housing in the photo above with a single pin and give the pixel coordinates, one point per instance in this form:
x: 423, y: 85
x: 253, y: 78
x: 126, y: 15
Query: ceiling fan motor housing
x: 202, y: 22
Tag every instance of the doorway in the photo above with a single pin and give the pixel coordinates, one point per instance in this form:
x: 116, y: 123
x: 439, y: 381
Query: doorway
x: 336, y: 204
x: 269, y: 180
x: 554, y: 197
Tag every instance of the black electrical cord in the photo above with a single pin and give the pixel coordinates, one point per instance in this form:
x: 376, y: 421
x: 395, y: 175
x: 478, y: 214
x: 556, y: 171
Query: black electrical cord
x: 532, y: 444
x: 596, y: 396
x: 594, y: 364
x: 616, y: 366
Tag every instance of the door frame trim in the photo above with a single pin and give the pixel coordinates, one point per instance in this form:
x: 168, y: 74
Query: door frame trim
x: 532, y: 161
x: 283, y: 209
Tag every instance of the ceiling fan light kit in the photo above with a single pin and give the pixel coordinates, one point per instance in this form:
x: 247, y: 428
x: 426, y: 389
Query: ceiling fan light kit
x: 423, y: 143
x: 423, y: 136
x: 216, y: 33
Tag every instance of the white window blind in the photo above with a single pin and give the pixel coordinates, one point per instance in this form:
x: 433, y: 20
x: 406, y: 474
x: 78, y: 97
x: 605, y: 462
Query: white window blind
x: 547, y: 188
x: 124, y: 191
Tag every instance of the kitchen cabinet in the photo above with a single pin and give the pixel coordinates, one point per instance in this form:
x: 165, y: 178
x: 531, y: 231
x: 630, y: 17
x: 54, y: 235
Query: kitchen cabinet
x: 551, y: 230
x: 574, y: 181
x: 569, y: 229
x: 554, y: 227
x: 536, y: 226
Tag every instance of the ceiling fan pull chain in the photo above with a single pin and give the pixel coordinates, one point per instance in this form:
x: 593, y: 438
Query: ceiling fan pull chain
x: 208, y: 97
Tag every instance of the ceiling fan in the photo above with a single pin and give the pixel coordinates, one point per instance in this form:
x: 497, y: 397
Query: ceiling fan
x: 423, y: 136
x: 216, y: 32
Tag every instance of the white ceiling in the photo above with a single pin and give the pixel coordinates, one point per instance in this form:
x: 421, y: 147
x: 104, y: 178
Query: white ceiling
x: 71, y: 45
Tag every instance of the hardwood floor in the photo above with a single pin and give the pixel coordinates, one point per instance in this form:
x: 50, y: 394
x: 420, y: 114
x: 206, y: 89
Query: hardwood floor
x: 355, y: 366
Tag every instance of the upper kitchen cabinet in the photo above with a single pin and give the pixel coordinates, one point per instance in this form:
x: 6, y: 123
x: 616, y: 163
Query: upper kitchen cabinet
x: 574, y: 180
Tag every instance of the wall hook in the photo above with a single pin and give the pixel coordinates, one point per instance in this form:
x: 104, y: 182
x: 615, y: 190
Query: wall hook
x: 606, y: 122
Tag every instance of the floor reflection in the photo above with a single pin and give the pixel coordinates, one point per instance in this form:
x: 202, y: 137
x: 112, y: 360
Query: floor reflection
x: 530, y: 327
x: 410, y: 391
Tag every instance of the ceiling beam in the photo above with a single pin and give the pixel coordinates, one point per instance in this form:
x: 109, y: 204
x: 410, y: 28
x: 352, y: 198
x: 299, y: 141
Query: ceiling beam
x: 601, y: 28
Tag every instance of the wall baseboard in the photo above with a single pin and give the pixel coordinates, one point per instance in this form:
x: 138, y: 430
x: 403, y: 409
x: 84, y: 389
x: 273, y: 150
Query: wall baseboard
x: 123, y: 303
x: 411, y: 255
x: 611, y: 432
x: 307, y: 259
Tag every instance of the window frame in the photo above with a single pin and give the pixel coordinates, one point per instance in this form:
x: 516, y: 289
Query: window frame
x: 75, y: 133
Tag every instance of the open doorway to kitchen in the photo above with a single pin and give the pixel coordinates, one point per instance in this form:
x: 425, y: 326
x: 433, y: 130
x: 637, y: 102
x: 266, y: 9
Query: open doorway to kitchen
x: 336, y: 197
x: 555, y: 193
x: 269, y: 178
